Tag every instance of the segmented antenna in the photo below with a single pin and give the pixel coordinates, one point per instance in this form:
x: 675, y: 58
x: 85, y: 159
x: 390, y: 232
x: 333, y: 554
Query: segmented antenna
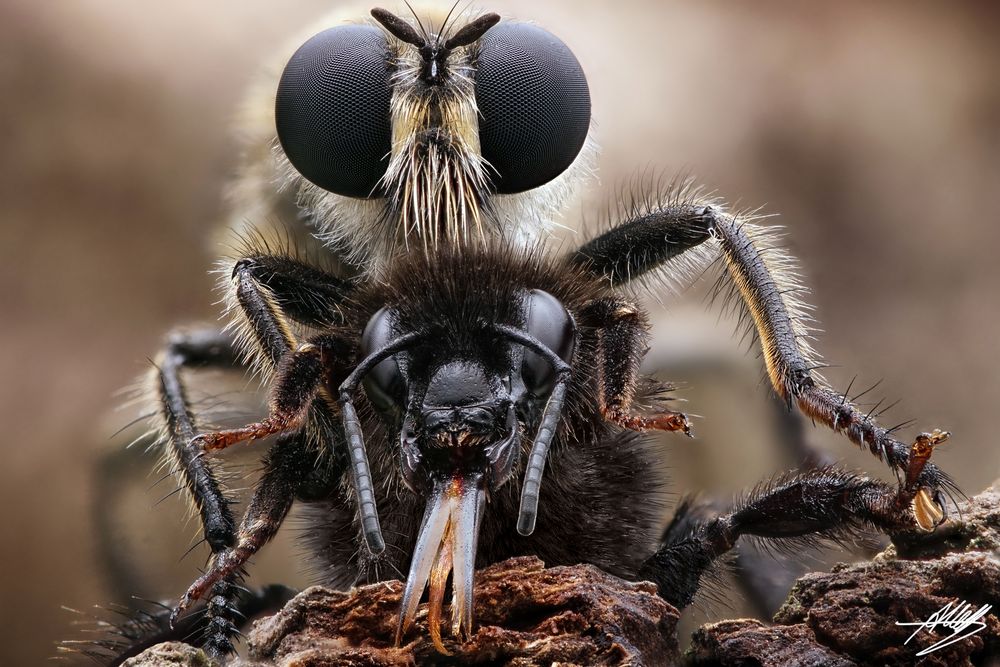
x: 546, y: 428
x: 539, y: 452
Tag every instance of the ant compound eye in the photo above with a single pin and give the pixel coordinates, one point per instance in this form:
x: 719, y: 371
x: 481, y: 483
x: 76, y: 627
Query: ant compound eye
x: 547, y: 321
x: 332, y: 110
x: 384, y: 383
x: 534, y: 104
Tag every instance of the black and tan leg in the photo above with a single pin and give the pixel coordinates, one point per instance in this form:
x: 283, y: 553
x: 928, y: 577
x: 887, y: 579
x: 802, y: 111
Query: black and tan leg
x: 265, y: 288
x: 184, y: 350
x: 262, y: 284
x: 825, y: 503
x: 760, y: 276
x: 302, y: 292
x: 193, y: 349
x: 288, y: 464
x: 622, y: 339
x: 297, y: 380
x: 269, y: 327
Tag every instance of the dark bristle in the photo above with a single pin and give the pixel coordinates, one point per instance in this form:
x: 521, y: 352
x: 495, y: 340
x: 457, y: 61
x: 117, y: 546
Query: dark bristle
x: 443, y: 30
x: 420, y: 24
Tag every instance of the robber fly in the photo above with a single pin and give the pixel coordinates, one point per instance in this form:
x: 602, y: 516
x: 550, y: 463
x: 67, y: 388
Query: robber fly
x: 454, y: 392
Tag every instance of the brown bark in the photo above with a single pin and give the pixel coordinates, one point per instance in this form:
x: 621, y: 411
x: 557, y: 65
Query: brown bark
x: 528, y: 615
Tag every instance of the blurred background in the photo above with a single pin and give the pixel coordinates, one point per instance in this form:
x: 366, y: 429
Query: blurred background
x: 873, y: 129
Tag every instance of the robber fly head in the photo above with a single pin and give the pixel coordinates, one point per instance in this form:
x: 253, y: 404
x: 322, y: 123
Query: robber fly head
x: 423, y: 128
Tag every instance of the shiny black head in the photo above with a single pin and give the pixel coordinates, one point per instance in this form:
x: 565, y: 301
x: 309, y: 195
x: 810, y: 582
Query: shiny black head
x: 461, y: 393
x: 461, y: 408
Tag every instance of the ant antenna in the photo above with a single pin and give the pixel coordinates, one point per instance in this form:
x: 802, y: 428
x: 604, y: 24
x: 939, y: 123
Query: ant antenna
x: 360, y: 472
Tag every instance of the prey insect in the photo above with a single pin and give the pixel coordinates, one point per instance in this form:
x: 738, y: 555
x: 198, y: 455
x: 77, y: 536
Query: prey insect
x: 459, y: 394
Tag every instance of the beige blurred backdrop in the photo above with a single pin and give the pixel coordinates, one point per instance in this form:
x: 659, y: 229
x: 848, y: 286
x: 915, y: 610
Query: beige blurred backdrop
x: 873, y: 129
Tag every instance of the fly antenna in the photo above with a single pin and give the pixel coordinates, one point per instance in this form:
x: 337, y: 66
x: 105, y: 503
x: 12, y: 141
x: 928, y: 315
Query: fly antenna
x: 399, y: 28
x: 472, y: 31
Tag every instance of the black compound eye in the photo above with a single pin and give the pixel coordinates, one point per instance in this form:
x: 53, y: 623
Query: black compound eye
x: 332, y: 110
x: 384, y: 383
x: 534, y: 105
x: 548, y: 321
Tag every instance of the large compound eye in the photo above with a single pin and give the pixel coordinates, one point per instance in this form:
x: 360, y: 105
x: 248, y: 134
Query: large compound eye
x: 548, y: 321
x: 332, y: 110
x: 534, y: 105
x: 384, y: 383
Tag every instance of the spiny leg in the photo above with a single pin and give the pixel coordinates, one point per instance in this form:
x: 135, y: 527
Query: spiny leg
x: 264, y: 283
x: 191, y: 349
x: 297, y: 380
x: 671, y: 232
x: 791, y: 372
x: 187, y: 349
x: 623, y: 334
x: 828, y: 503
x: 270, y: 337
x: 288, y: 463
x: 271, y: 330
x: 302, y: 292
x: 270, y: 289
x: 135, y: 627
